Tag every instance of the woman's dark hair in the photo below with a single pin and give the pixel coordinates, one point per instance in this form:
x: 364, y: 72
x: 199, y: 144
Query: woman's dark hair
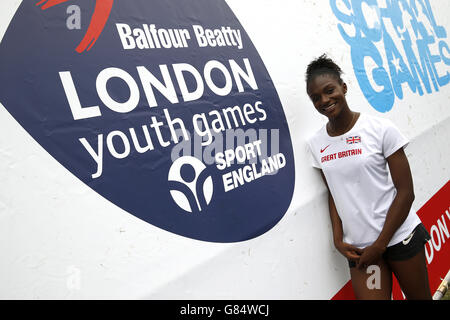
x: 323, y: 65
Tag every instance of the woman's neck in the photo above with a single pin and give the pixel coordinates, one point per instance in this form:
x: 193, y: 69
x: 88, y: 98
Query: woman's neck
x: 342, y: 123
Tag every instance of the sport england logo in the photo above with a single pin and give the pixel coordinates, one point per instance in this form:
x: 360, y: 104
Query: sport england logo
x: 395, y: 45
x: 190, y: 187
x: 171, y: 115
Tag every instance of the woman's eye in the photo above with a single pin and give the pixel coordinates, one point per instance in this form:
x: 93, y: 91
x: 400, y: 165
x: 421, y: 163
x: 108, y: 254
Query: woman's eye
x: 330, y: 90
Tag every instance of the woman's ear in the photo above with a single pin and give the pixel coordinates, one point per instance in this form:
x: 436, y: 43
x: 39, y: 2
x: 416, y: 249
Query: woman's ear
x: 344, y: 85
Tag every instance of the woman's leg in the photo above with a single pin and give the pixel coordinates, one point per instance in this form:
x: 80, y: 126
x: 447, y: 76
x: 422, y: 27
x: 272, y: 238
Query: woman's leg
x: 412, y: 276
x: 373, y: 282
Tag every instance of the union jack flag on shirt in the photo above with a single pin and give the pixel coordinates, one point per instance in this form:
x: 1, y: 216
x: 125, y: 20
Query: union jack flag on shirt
x: 352, y: 140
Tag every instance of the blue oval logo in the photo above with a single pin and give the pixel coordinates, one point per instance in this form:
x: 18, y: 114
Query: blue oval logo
x: 162, y: 107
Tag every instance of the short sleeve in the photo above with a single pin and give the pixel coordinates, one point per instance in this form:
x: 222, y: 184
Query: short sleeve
x: 393, y: 139
x: 312, y: 159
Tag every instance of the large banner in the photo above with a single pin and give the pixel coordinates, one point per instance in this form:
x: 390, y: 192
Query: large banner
x: 165, y: 110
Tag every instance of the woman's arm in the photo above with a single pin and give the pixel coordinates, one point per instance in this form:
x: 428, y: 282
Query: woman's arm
x: 347, y: 250
x: 399, y: 209
x: 336, y: 223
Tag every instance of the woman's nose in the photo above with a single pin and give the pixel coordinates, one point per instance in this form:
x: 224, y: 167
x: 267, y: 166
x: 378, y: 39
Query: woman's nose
x: 324, y: 99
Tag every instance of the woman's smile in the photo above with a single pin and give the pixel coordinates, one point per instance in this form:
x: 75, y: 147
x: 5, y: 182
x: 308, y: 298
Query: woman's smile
x: 329, y: 108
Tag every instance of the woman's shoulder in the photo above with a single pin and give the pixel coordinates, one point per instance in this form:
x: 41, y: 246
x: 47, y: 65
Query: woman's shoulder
x: 374, y: 121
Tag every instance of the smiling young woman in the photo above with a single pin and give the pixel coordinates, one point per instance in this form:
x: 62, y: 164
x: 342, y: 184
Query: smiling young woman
x: 371, y: 215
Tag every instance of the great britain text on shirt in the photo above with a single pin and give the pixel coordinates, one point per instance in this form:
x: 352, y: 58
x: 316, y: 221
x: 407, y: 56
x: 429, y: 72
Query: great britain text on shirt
x: 341, y: 154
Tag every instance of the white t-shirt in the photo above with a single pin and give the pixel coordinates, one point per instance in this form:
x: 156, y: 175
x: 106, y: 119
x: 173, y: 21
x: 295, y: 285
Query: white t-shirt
x: 356, y: 170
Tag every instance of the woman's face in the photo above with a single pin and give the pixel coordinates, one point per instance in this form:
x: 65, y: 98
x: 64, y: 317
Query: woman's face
x: 328, y: 95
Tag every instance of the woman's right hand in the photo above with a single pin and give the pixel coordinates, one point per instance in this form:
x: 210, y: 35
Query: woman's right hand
x: 349, y: 251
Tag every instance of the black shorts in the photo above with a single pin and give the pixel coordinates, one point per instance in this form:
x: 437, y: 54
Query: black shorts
x: 407, y: 248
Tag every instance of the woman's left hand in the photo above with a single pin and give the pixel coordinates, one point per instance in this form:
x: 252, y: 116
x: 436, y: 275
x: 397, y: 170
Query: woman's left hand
x: 370, y: 255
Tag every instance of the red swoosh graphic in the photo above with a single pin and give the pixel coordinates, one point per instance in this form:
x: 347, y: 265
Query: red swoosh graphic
x: 322, y: 150
x: 99, y: 18
x: 50, y: 3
